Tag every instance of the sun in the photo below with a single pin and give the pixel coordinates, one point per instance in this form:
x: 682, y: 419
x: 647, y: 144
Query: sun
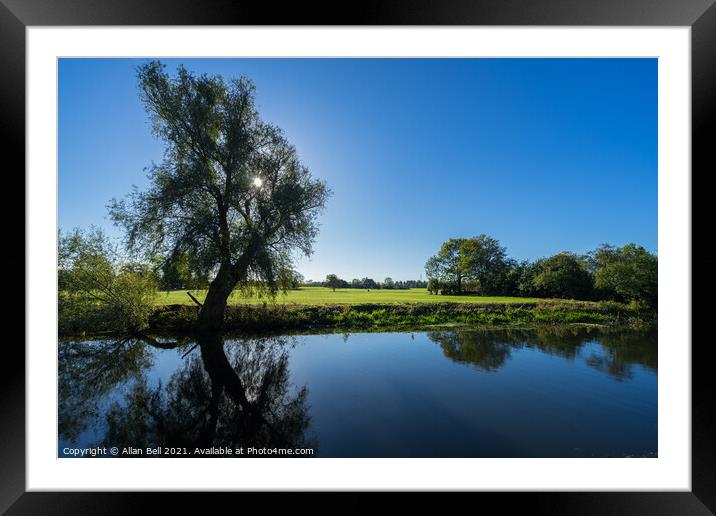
x: 258, y: 182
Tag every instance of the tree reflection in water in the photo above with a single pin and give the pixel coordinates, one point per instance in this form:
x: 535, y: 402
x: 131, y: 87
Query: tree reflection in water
x: 88, y: 371
x: 233, y: 394
x: 489, y: 349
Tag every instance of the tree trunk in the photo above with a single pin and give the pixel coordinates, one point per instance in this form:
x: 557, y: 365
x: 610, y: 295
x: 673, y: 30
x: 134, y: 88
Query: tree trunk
x: 211, y: 315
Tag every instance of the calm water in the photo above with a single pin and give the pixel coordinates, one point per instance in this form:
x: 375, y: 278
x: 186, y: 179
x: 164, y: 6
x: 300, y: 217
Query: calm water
x: 452, y: 393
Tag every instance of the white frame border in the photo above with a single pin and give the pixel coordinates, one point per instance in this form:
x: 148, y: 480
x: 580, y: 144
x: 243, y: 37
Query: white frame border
x: 670, y: 471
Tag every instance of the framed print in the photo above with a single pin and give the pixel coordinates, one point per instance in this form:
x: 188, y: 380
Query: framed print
x: 405, y: 249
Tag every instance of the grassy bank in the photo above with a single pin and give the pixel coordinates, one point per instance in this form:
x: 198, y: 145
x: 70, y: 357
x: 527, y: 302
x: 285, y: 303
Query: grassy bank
x: 408, y: 315
x: 346, y: 309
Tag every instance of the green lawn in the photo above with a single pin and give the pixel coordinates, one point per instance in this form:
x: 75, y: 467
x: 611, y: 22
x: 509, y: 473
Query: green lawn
x: 325, y: 296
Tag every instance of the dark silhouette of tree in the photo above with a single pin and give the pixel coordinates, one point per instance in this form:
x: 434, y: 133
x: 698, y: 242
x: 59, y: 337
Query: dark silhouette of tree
x: 487, y: 350
x: 88, y: 371
x: 236, y: 394
x: 490, y: 350
x: 333, y: 282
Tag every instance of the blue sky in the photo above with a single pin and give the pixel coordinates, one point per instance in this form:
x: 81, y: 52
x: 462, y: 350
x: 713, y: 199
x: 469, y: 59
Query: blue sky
x: 545, y: 155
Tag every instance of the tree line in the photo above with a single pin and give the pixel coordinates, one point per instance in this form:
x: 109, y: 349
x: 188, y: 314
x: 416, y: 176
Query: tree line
x: 480, y: 265
x: 333, y: 282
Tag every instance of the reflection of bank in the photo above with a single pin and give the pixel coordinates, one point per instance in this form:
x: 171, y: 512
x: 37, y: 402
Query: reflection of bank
x: 490, y: 349
x: 227, y: 395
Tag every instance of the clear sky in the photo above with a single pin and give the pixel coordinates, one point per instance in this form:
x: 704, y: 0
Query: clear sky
x: 545, y: 155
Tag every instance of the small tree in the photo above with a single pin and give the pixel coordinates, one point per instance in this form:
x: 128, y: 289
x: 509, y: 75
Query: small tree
x: 333, y: 282
x: 389, y: 283
x: 369, y: 283
x: 433, y: 286
x: 99, y: 289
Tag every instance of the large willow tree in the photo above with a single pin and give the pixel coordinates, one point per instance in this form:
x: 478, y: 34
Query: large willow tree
x: 230, y: 192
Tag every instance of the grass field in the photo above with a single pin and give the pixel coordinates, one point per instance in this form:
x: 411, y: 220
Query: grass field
x: 325, y: 296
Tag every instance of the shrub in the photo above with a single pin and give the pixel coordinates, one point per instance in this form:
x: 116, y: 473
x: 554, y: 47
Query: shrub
x: 97, y: 290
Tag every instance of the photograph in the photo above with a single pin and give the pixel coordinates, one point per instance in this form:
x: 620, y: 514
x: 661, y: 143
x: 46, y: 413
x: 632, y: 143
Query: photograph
x: 357, y: 257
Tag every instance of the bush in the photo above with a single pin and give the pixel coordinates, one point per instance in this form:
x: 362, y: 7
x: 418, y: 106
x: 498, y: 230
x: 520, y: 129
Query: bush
x: 97, y: 290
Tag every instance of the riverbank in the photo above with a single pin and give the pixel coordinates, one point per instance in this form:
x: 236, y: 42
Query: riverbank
x: 281, y: 317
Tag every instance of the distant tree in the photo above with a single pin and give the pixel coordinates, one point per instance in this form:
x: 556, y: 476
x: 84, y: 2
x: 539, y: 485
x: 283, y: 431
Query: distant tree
x: 629, y: 273
x: 297, y: 279
x: 231, y: 191
x: 388, y: 283
x: 176, y: 272
x: 290, y: 279
x: 369, y: 283
x: 563, y: 275
x: 333, y: 282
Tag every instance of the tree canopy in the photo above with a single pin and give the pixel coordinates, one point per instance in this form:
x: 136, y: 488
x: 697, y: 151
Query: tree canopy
x: 481, y: 260
x: 481, y: 265
x: 231, y: 192
x: 627, y: 273
x: 333, y: 282
x: 563, y: 275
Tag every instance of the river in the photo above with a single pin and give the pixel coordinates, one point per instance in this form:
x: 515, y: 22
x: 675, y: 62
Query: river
x: 453, y: 392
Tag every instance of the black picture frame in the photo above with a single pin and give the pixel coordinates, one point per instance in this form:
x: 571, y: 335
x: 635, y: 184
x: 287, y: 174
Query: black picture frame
x: 700, y: 15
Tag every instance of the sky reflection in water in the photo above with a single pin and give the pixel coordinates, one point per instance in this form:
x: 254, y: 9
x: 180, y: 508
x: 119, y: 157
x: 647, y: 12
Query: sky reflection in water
x: 558, y: 392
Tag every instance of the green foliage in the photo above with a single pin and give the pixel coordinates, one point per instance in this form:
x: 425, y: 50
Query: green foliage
x: 433, y: 286
x: 563, y: 275
x: 629, y: 273
x: 179, y: 273
x: 410, y: 315
x: 97, y: 288
x: 292, y: 278
x: 477, y: 264
x: 480, y: 265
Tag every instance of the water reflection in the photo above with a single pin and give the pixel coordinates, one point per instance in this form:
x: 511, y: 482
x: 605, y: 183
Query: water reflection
x: 89, y: 371
x: 489, y: 350
x: 579, y: 391
x: 234, y: 394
